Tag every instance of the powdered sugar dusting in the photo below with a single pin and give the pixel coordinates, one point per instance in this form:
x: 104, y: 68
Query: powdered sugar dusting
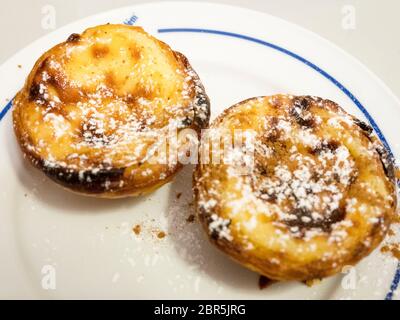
x: 106, y: 103
x: 308, y: 186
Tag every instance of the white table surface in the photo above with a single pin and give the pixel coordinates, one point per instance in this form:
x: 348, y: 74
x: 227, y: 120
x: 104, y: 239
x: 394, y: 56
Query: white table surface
x: 374, y: 40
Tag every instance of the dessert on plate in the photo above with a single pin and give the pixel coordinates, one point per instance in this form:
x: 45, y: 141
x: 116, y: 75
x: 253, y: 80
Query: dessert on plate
x: 320, y: 193
x: 93, y: 108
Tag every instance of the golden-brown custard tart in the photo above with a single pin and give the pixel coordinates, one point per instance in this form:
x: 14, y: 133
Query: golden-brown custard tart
x: 319, y: 194
x: 94, y: 107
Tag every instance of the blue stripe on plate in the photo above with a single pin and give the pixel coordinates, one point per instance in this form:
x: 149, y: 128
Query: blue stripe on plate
x: 297, y: 57
x: 5, y: 110
x: 394, y: 285
x: 374, y: 125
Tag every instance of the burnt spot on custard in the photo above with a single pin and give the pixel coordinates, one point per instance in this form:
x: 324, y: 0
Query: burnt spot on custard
x: 304, y: 220
x: 34, y: 92
x: 186, y: 122
x: 388, y: 162
x: 93, y: 134
x: 300, y: 112
x: 99, y: 51
x: 202, y: 110
x: 143, y: 91
x: 73, y: 38
x: 274, y: 134
x: 364, y: 126
x: 215, y: 233
x: 325, y: 146
x: 46, y: 77
x: 89, y: 181
x: 110, y: 80
x: 135, y: 53
x: 271, y: 198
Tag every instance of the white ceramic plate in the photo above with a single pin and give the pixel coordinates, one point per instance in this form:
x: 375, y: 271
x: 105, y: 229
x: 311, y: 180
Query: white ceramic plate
x: 88, y: 244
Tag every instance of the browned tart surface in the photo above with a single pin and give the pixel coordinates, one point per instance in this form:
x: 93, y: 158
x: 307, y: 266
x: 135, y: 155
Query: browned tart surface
x: 93, y: 106
x: 320, y: 194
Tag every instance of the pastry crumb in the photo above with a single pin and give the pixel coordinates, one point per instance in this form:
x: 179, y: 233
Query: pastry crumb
x: 137, y: 229
x: 161, y: 235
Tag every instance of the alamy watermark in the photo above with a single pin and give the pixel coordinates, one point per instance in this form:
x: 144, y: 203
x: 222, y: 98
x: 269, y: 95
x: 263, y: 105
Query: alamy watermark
x: 348, y: 17
x: 48, y: 281
x: 48, y: 21
x: 212, y: 146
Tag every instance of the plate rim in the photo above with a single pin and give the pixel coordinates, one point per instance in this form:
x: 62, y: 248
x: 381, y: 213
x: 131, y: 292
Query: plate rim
x: 388, y: 91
